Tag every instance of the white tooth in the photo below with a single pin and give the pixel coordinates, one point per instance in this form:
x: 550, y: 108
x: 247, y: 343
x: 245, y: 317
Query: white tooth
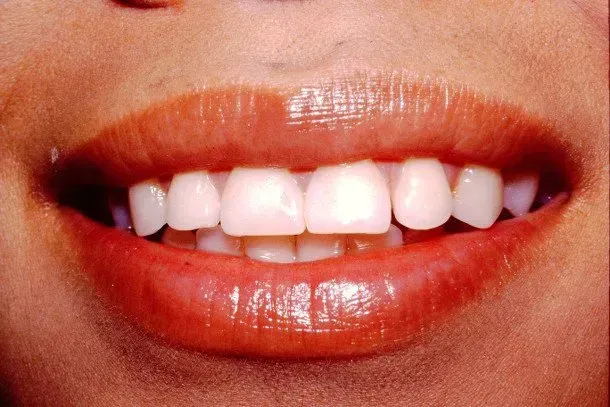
x: 192, y: 201
x: 520, y: 191
x: 275, y: 249
x: 184, y: 239
x: 262, y: 202
x: 477, y: 197
x: 312, y: 247
x: 214, y: 240
x: 147, y: 204
x: 348, y: 198
x: 219, y: 179
x: 359, y: 243
x: 421, y: 197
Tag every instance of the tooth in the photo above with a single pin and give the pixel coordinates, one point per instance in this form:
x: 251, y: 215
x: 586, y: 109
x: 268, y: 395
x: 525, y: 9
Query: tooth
x: 519, y: 191
x: 477, y: 197
x: 312, y: 247
x: 275, y: 249
x: 147, y: 204
x: 421, y: 197
x: 360, y: 243
x: 119, y: 209
x: 348, y: 198
x: 192, y: 201
x: 184, y: 239
x: 214, y: 240
x: 262, y: 202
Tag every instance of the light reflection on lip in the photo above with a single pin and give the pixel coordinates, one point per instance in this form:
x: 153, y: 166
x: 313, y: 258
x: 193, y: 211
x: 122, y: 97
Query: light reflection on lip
x: 347, y: 306
x: 382, y: 116
x: 351, y: 305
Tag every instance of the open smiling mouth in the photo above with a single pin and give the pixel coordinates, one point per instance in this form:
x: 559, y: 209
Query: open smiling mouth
x: 328, y: 220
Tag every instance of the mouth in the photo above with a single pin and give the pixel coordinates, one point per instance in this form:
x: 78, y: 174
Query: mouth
x: 330, y: 220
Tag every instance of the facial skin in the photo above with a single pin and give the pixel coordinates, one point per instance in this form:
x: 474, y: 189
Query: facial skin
x: 70, y: 68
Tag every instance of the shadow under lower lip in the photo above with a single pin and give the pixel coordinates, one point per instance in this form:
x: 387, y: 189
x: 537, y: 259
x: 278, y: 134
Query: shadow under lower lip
x: 353, y: 305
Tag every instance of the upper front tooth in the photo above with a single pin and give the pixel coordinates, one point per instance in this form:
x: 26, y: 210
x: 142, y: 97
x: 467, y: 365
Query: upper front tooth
x: 147, y: 204
x: 421, y: 197
x: 192, y: 201
x: 262, y: 202
x: 348, y: 198
x: 477, y: 198
x: 519, y: 191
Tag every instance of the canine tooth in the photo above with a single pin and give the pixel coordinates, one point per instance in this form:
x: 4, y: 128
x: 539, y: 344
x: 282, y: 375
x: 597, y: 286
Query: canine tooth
x: 520, y: 191
x: 477, y: 197
x: 179, y: 238
x: 421, y: 197
x: 262, y: 202
x: 192, y: 201
x: 214, y: 240
x: 275, y: 249
x: 360, y: 242
x: 312, y: 247
x: 147, y: 205
x: 348, y: 198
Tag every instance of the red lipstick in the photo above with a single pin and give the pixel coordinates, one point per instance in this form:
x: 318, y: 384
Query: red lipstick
x: 352, y: 305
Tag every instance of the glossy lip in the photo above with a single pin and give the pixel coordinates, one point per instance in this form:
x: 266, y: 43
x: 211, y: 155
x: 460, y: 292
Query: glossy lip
x: 381, y: 116
x: 352, y: 305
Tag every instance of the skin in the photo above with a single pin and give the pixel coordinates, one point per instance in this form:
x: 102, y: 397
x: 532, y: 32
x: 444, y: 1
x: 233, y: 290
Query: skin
x: 69, y: 68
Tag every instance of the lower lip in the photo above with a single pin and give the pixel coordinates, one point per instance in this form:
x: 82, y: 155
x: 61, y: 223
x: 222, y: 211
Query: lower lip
x: 352, y: 305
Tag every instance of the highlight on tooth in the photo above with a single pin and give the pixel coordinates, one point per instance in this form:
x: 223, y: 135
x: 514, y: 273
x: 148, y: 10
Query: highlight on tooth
x: 348, y: 198
x: 283, y: 216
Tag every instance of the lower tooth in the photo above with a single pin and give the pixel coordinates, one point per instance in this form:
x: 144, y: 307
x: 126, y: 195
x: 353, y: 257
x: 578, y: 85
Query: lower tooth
x: 184, y: 239
x: 312, y: 247
x: 214, y: 240
x: 275, y: 249
x: 359, y: 243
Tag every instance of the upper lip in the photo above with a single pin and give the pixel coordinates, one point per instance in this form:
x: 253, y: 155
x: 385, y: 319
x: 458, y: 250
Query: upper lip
x: 382, y: 116
x: 345, y: 306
